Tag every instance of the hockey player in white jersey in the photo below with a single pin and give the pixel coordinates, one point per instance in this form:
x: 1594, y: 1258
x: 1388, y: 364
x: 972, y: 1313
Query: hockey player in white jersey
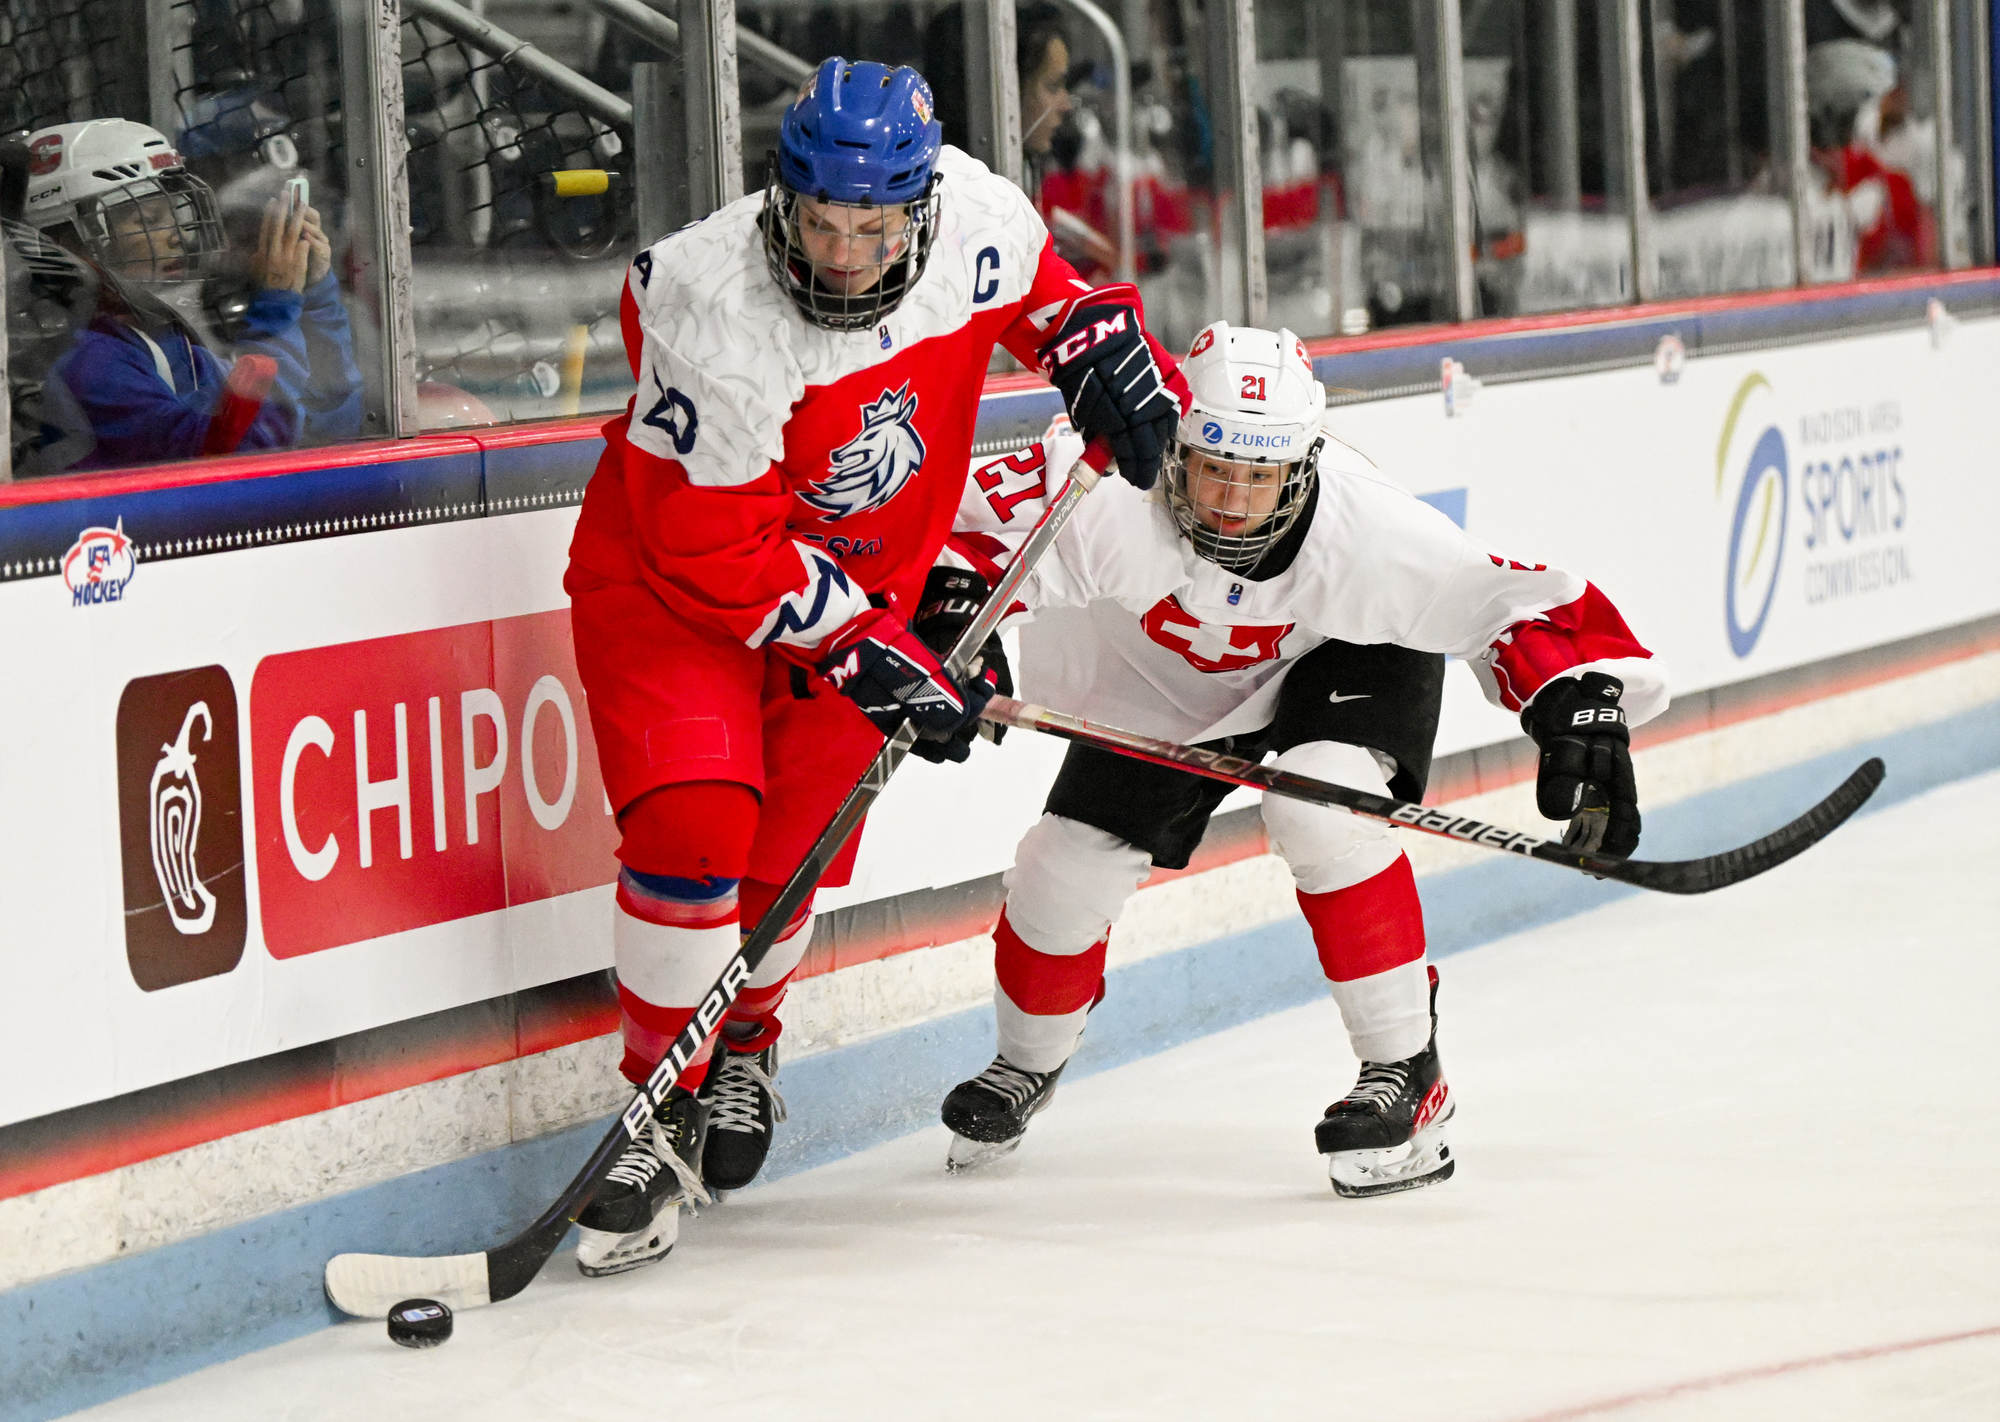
x: 1276, y: 595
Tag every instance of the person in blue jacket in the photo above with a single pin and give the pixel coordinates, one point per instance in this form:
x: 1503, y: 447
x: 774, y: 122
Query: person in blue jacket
x: 141, y: 383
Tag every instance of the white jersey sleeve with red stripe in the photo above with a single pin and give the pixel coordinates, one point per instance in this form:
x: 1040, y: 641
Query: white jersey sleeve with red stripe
x: 1376, y: 566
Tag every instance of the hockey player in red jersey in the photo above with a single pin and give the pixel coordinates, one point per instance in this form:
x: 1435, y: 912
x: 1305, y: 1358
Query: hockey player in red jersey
x: 1277, y: 596
x: 759, y: 529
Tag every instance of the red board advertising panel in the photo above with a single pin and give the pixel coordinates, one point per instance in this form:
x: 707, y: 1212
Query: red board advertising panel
x: 411, y: 780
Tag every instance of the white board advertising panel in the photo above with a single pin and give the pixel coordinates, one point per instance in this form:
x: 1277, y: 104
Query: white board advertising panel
x: 270, y: 796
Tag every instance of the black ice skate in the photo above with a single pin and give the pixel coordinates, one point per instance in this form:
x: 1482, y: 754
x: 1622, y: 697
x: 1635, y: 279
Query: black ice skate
x: 1387, y: 1134
x: 635, y: 1216
x: 743, y: 1105
x: 989, y: 1114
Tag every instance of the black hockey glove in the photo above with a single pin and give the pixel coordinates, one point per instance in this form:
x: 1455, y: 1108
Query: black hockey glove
x: 952, y: 599
x: 885, y: 669
x: 1586, y: 770
x: 1098, y: 358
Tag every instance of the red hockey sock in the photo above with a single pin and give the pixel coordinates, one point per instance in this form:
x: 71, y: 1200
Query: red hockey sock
x: 1045, y: 984
x: 752, y: 1023
x: 1369, y: 927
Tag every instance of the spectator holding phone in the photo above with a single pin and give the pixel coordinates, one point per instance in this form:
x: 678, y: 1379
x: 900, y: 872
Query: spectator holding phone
x: 141, y: 382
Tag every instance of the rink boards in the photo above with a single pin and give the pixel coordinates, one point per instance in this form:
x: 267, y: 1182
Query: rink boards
x: 307, y: 758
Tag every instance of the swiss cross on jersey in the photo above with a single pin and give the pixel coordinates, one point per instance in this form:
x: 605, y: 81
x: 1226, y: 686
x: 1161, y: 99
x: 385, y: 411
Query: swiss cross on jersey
x: 869, y: 469
x: 1210, y: 646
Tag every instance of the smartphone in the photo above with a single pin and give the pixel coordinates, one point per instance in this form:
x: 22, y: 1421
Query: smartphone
x: 299, y: 187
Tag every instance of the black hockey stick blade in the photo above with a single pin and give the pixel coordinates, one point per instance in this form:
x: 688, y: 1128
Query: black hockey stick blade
x: 1733, y: 866
x: 1685, y: 876
x: 369, y: 1285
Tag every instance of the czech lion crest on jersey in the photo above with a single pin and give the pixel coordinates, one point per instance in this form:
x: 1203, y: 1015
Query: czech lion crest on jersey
x: 871, y: 468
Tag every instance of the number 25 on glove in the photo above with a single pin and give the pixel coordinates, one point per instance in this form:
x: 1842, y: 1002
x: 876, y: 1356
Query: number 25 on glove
x: 885, y: 669
x: 1585, y: 775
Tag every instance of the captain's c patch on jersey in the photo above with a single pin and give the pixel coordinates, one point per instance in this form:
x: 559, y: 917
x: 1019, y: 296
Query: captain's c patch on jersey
x: 872, y: 467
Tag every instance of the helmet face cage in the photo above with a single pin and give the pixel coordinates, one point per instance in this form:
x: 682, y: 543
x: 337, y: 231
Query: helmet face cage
x: 1236, y: 488
x: 164, y: 228
x: 899, y: 256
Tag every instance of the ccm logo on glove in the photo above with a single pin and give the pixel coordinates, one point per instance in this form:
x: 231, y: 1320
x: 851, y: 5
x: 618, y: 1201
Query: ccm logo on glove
x: 1070, y: 347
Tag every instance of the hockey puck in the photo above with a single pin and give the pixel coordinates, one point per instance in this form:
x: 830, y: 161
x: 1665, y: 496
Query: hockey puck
x: 419, y: 1323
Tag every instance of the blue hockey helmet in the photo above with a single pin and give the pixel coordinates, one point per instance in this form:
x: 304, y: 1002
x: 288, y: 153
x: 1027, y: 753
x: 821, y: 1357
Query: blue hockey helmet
x: 858, y: 149
x: 860, y: 133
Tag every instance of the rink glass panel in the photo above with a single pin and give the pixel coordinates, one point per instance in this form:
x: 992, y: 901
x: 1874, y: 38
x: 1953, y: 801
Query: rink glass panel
x: 1353, y: 203
x: 516, y: 286
x: 1551, y: 203
x: 249, y: 92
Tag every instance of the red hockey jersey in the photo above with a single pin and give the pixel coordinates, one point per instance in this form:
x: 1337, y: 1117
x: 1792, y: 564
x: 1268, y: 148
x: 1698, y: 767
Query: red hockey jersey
x: 769, y: 474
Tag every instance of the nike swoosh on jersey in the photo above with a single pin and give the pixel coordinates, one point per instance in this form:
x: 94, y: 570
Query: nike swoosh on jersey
x: 1336, y: 698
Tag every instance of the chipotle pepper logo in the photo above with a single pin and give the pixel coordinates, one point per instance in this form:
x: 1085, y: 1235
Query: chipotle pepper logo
x: 180, y: 816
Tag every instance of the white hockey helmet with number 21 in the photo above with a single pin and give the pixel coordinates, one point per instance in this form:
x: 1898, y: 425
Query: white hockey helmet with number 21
x: 1247, y: 451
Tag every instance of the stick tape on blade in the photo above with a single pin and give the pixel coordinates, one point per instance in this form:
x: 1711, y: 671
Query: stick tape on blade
x: 369, y: 1285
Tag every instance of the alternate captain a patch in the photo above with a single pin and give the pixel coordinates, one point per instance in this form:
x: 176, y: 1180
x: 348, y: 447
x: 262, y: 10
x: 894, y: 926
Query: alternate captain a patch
x: 1210, y: 646
x: 870, y: 469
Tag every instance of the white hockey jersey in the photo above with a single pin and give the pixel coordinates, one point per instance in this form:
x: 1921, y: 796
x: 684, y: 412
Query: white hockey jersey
x: 1138, y: 631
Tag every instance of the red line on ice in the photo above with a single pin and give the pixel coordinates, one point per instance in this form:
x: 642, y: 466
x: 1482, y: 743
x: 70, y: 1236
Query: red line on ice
x: 1758, y: 1374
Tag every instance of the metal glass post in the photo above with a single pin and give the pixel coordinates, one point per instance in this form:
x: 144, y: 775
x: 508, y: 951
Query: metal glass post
x: 1239, y: 158
x: 1632, y: 145
x: 714, y: 117
x: 167, y: 62
x: 1980, y: 20
x: 1447, y: 155
x: 1560, y: 126
x: 659, y: 183
x: 1951, y: 218
x: 1793, y: 139
x: 993, y: 87
x: 378, y: 195
x: 6, y: 406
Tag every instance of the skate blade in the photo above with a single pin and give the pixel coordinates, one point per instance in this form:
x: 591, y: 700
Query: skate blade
x: 1422, y: 1160
x: 966, y: 1154
x: 600, y: 1253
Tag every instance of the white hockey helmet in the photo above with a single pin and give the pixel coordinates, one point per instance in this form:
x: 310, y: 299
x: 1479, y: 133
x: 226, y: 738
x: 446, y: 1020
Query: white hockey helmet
x: 1247, y: 450
x: 118, y: 192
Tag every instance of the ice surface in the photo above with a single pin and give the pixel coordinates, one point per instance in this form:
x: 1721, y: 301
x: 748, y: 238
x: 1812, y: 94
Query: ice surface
x: 1726, y: 1157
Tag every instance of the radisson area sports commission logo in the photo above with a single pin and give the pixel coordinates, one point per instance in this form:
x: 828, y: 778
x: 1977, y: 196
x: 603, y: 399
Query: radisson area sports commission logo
x: 1831, y: 481
x: 1761, y: 505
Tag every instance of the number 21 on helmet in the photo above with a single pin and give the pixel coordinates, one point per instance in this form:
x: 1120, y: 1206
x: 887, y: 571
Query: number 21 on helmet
x: 1246, y: 452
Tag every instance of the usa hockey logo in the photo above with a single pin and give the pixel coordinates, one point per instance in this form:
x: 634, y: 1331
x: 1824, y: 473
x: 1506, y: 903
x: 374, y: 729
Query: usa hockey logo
x: 870, y: 469
x: 99, y: 565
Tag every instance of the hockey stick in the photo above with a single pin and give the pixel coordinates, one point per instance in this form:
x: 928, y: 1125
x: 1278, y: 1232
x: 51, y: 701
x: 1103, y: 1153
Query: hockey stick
x: 1683, y: 876
x: 369, y: 1285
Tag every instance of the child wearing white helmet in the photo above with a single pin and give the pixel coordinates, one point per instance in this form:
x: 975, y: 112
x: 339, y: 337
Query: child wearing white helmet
x: 1275, y: 596
x: 141, y: 382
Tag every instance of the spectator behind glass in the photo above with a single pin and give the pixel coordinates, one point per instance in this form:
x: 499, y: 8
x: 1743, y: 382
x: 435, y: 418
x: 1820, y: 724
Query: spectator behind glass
x: 1041, y: 60
x: 1074, y: 203
x: 1852, y: 100
x: 140, y: 383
